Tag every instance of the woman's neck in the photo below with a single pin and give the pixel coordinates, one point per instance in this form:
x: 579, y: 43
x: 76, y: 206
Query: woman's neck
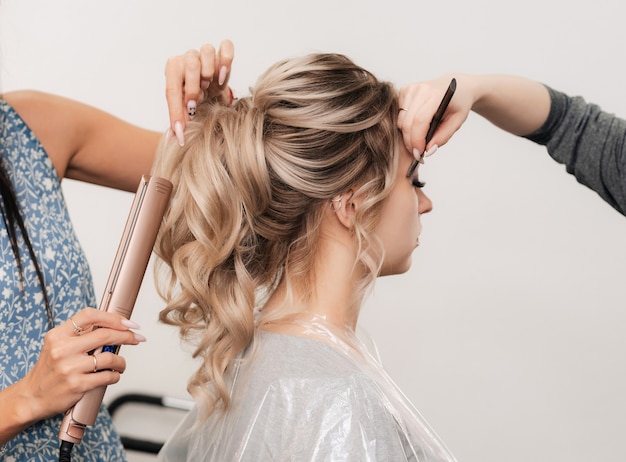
x: 333, y: 297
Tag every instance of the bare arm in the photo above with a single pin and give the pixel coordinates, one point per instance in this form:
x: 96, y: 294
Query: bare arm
x: 85, y: 143
x: 587, y: 140
x: 515, y: 104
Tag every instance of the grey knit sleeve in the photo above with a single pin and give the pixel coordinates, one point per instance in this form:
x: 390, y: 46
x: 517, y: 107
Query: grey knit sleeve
x: 590, y: 143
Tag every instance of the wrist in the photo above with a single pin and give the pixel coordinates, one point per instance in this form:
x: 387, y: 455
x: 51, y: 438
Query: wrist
x: 18, y: 412
x: 478, y: 88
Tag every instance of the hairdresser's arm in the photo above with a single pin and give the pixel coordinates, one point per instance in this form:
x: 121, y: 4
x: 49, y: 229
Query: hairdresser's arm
x: 64, y: 371
x: 85, y: 143
x: 515, y: 104
x: 588, y: 141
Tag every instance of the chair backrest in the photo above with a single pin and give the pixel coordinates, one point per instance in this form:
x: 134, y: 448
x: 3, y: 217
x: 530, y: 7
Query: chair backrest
x: 144, y: 422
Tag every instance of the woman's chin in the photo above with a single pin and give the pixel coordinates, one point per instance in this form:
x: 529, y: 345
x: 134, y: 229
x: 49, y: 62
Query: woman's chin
x: 398, y: 268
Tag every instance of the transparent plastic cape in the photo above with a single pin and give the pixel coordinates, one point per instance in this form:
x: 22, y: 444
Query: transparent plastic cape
x: 319, y: 395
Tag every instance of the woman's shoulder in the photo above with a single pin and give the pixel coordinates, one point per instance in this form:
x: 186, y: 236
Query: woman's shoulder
x: 46, y: 116
x: 291, y: 369
x: 292, y: 395
x: 29, y: 104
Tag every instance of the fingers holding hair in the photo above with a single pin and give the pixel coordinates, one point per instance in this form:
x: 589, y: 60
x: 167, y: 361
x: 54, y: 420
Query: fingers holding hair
x: 192, y: 76
x: 225, y: 57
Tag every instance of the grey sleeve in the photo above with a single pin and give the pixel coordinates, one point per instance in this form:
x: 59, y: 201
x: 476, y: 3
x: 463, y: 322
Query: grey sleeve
x: 590, y: 143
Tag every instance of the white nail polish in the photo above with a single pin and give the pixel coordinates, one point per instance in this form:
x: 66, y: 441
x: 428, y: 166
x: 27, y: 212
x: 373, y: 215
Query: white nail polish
x: 431, y: 151
x: 222, y: 77
x: 178, y: 130
x: 416, y: 154
x: 130, y: 324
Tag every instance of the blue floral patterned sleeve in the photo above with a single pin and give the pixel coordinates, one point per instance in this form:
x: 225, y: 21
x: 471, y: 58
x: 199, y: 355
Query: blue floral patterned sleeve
x: 23, y: 321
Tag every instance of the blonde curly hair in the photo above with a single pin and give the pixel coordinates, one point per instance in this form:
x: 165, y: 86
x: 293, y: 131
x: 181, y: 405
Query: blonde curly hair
x: 250, y: 187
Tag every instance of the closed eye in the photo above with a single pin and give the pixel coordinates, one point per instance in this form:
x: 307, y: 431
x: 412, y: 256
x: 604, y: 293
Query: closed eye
x: 415, y: 180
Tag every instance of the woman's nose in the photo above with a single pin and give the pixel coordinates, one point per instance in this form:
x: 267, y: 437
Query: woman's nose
x: 424, y: 204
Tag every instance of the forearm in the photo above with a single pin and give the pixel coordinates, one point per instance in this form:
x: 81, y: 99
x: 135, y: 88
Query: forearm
x: 515, y: 104
x: 17, y: 413
x: 587, y: 140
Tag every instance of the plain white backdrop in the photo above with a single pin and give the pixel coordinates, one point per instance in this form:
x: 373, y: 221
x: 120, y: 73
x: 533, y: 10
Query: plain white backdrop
x: 508, y: 332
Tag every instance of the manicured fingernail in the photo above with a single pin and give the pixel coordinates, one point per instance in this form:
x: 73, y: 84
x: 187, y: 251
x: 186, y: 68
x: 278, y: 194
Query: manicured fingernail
x: 416, y: 154
x: 222, y: 77
x: 178, y: 130
x: 191, y: 108
x: 139, y: 337
x: 130, y: 324
x: 204, y: 84
x: 431, y: 151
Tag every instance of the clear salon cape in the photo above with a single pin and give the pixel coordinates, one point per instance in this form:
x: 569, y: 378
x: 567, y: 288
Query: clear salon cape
x: 321, y: 396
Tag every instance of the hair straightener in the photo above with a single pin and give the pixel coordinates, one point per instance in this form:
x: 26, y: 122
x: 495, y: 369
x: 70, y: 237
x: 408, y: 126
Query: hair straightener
x: 122, y: 288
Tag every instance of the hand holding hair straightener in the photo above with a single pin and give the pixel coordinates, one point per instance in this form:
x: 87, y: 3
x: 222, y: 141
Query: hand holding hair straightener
x: 120, y: 293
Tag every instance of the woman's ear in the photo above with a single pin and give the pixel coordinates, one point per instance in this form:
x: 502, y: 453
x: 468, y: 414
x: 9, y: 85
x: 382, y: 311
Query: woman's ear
x: 344, y: 206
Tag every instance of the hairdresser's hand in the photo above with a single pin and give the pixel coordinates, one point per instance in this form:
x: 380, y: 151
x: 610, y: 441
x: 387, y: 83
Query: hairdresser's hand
x: 421, y: 100
x: 64, y: 370
x: 194, y: 75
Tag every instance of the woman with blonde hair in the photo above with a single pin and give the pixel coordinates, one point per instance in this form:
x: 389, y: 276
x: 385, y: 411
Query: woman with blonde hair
x: 286, y: 207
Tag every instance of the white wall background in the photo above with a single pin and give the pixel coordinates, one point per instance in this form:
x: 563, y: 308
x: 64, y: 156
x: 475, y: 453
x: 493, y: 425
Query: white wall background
x: 508, y: 332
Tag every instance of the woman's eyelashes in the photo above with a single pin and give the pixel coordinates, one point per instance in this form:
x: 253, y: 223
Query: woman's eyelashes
x: 415, y: 181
